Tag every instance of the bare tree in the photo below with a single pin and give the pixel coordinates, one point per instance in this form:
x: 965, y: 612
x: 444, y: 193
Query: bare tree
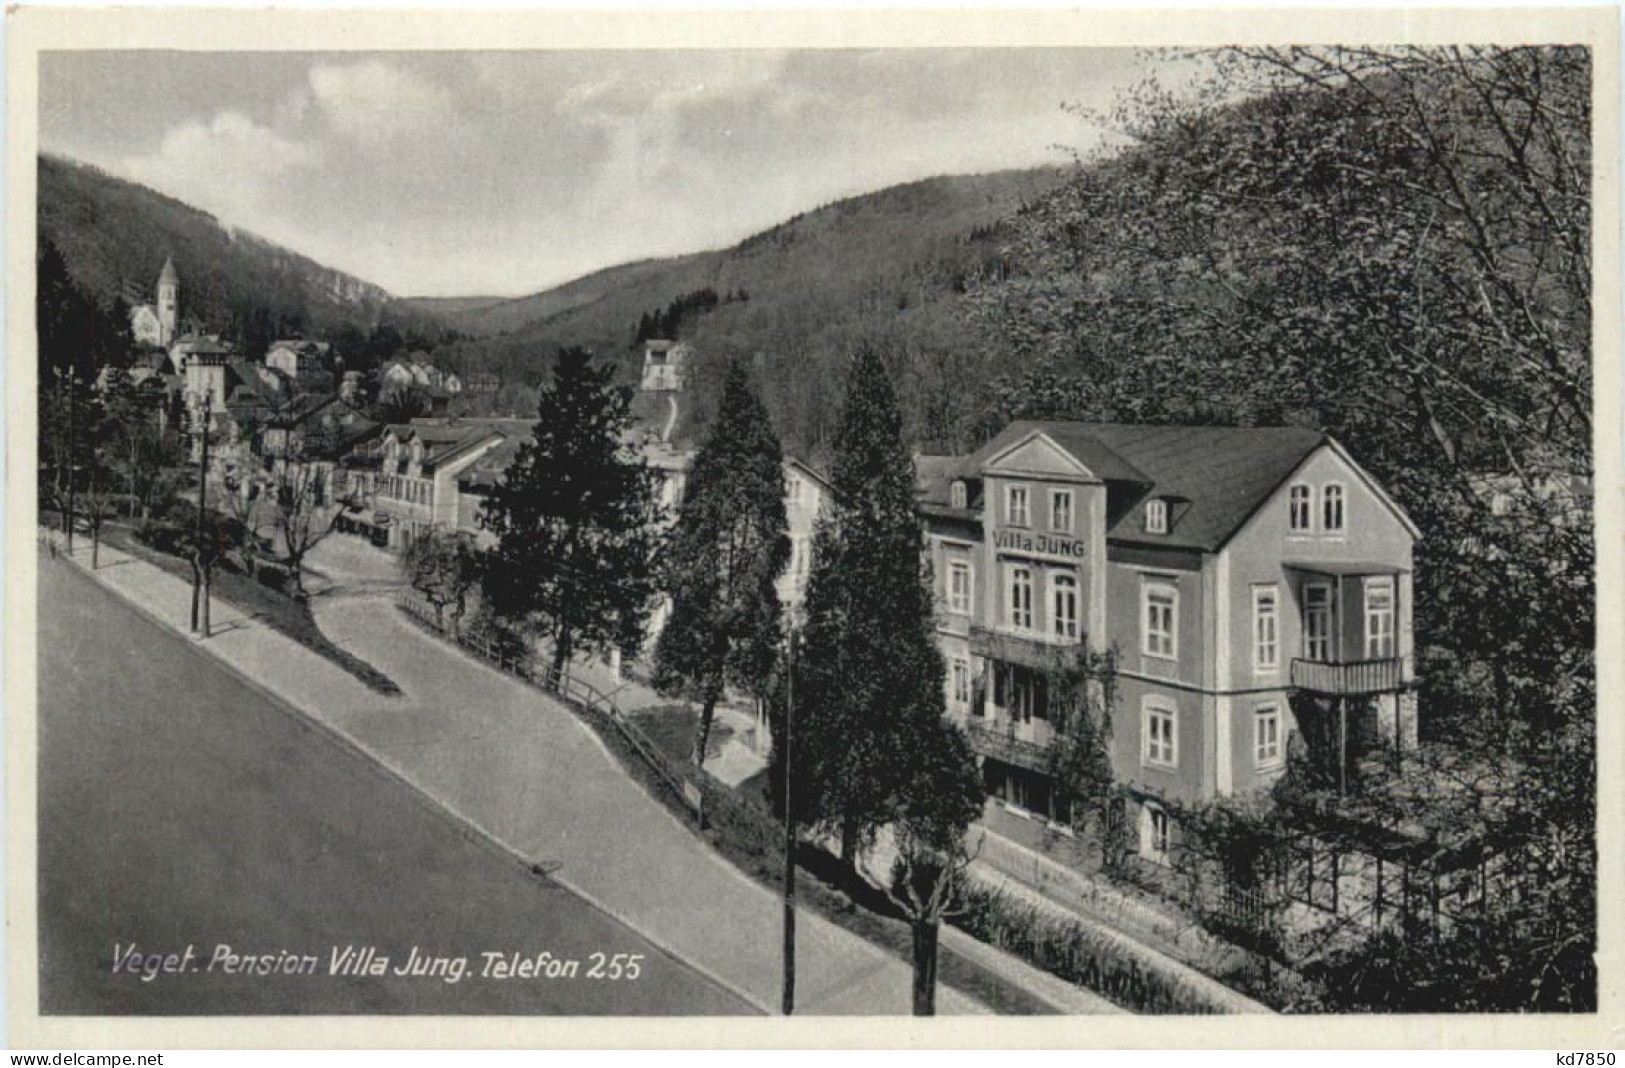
x: 244, y: 498
x: 304, y: 515
x: 444, y: 566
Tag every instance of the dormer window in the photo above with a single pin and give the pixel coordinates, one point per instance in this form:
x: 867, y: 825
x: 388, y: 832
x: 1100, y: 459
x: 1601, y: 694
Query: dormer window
x: 1156, y: 516
x: 957, y: 495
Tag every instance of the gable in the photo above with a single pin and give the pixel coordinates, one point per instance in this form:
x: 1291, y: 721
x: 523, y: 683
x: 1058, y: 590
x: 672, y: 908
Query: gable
x: 1037, y: 456
x: 1372, y: 517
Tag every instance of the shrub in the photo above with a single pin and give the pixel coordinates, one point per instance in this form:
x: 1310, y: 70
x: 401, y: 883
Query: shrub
x: 272, y: 577
x: 1073, y: 952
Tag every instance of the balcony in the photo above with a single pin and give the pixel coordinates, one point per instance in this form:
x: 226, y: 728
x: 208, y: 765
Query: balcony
x: 1352, y: 679
x: 1000, y: 743
x: 1033, y: 649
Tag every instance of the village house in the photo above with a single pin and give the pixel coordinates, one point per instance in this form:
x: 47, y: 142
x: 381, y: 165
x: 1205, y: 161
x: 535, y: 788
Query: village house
x: 411, y: 473
x: 417, y: 372
x: 299, y: 359
x: 665, y: 365
x: 1253, y: 583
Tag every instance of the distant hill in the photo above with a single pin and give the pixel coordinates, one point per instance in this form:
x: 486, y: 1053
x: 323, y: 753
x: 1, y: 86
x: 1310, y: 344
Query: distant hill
x: 115, y: 234
x: 885, y: 268
x: 877, y: 242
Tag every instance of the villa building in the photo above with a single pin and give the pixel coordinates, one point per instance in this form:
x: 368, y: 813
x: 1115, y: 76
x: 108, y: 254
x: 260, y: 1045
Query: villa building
x: 1253, y: 584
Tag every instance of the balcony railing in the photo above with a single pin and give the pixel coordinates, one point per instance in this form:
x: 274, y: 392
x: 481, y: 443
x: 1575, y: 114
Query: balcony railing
x: 1382, y: 675
x: 1042, y: 652
x: 1000, y: 744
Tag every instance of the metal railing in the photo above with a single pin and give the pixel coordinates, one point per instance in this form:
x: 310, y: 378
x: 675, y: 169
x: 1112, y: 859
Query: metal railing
x: 1000, y: 743
x: 695, y: 788
x: 1382, y: 675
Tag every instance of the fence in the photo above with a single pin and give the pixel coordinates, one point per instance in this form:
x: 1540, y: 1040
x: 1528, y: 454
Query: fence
x: 696, y: 789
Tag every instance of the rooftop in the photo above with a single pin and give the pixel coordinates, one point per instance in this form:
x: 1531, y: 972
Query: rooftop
x: 1218, y: 475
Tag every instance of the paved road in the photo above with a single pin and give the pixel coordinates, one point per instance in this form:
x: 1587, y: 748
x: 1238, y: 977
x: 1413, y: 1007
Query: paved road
x: 529, y: 773
x: 180, y: 806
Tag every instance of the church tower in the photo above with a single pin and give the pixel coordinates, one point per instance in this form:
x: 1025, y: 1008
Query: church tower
x: 169, y: 302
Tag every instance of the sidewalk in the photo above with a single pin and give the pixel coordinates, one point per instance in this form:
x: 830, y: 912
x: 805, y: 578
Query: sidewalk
x: 524, y: 771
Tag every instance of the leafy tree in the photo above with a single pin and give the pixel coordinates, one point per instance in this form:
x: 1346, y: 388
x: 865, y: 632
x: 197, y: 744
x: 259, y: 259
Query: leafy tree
x: 723, y: 558
x: 1392, y: 245
x: 444, y: 566
x: 1082, y: 693
x: 139, y: 451
x: 400, y: 404
x: 932, y: 810
x: 575, y: 518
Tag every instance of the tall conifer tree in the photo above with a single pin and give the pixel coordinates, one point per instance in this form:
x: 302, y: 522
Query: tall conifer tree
x: 870, y: 674
x: 872, y: 747
x: 722, y: 561
x: 575, y: 518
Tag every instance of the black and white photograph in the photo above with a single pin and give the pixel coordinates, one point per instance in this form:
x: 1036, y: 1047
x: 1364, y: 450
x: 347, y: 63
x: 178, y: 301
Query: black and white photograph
x: 783, y: 530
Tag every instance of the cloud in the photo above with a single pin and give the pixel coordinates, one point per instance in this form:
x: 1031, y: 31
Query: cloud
x: 375, y: 101
x: 228, y: 157
x: 506, y: 171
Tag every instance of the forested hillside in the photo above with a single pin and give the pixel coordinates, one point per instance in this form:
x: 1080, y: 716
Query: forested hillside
x: 114, y: 236
x: 885, y: 269
x: 1392, y: 246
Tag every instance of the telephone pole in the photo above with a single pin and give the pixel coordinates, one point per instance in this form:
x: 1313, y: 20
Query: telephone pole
x: 200, y: 586
x: 789, y: 833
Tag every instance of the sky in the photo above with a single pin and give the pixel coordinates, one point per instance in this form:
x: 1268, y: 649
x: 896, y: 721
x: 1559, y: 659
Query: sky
x: 503, y: 173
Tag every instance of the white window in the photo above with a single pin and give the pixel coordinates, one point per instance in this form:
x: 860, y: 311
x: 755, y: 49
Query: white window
x: 1155, y: 829
x: 960, y: 693
x: 1021, y: 598
x: 792, y: 489
x: 1016, y: 507
x: 1266, y: 629
x: 1160, y: 611
x: 1159, y: 740
x: 1379, y: 617
x: 1064, y: 597
x: 959, y: 583
x: 1331, y: 508
x: 1317, y: 621
x: 1267, y: 749
x: 1156, y: 516
x: 956, y: 494
x: 1060, y: 510
x: 1300, y: 508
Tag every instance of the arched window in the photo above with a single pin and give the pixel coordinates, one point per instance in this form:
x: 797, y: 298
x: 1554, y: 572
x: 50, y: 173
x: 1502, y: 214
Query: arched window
x: 1156, y: 516
x: 1331, y: 507
x: 1021, y: 598
x: 1300, y: 508
x: 1064, y: 601
x: 957, y: 495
